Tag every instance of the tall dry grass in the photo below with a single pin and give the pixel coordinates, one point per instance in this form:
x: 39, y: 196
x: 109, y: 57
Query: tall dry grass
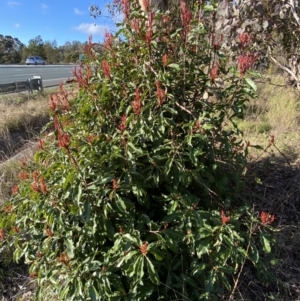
x: 21, y: 119
x: 276, y: 112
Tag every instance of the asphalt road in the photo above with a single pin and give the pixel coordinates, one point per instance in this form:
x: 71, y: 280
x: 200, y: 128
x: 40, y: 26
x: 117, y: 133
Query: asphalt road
x: 51, y: 75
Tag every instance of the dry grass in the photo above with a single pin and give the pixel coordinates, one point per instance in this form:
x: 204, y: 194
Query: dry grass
x: 275, y: 113
x: 18, y: 111
x: 20, y: 122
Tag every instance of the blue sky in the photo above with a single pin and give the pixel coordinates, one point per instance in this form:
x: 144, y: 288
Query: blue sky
x: 60, y: 20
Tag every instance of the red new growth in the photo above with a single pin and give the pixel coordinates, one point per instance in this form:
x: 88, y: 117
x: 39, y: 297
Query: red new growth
x: 186, y: 17
x: 41, y: 143
x: 136, y: 104
x: 245, y: 62
x: 108, y: 39
x: 2, y: 234
x: 165, y: 60
x: 63, y: 140
x: 266, y: 218
x: 150, y: 30
x: 125, y: 7
x: 225, y: 219
x: 161, y: 94
x: 143, y: 248
x: 214, y: 72
x: 122, y: 125
x: 245, y: 39
x: 49, y: 233
x: 135, y: 25
x: 106, y: 69
x: 15, y: 189
x: 115, y: 184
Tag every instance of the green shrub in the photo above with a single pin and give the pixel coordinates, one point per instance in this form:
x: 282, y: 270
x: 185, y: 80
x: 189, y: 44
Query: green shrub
x: 137, y: 190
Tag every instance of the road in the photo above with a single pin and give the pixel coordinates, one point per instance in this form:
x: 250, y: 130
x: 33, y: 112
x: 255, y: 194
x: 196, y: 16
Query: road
x: 51, y: 75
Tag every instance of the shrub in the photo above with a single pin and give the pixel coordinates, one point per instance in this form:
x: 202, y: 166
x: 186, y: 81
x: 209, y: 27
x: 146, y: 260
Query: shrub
x: 136, y: 194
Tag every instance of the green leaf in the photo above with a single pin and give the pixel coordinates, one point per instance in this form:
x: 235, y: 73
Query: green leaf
x: 251, y: 83
x: 138, y: 268
x: 169, y: 164
x: 135, y: 149
x: 174, y: 66
x: 128, y: 256
x: 79, y: 193
x: 255, y: 254
x: 70, y: 247
x: 93, y: 293
x: 152, y: 272
x: 120, y: 203
x: 87, y: 211
x: 266, y: 244
x: 208, y: 8
x: 132, y: 239
x: 159, y: 255
x: 204, y: 245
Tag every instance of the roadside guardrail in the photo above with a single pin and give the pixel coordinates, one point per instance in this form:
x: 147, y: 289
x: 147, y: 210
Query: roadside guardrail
x: 31, y: 84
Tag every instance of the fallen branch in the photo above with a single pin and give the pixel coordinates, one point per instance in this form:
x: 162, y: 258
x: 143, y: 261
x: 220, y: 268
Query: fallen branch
x: 286, y: 69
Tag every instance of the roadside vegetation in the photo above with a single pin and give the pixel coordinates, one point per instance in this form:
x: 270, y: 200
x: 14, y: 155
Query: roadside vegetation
x: 13, y: 51
x: 148, y: 163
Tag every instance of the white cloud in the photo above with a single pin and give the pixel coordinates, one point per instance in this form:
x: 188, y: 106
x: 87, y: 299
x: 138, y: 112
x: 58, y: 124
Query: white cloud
x: 44, y: 6
x: 17, y: 25
x: 78, y: 12
x: 91, y: 28
x: 12, y: 4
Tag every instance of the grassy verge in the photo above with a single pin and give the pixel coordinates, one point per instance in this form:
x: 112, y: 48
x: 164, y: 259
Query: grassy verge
x: 21, y: 120
x: 276, y: 112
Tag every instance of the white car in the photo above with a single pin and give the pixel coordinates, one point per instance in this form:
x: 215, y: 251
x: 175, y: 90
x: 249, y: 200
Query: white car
x: 35, y: 60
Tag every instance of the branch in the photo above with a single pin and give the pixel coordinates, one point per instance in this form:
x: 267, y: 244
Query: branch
x: 291, y: 3
x: 185, y: 109
x: 286, y: 70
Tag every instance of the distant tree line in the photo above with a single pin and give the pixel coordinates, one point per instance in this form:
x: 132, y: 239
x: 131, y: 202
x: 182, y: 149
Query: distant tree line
x: 13, y: 51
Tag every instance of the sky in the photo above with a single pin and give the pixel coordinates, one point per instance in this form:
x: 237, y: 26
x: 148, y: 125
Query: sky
x: 60, y: 20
